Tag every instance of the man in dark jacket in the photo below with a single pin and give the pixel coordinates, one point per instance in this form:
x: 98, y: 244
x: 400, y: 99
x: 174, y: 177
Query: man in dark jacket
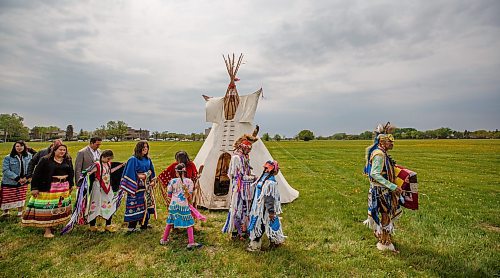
x: 36, y: 158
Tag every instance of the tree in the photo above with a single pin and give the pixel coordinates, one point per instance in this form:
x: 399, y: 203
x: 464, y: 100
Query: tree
x: 83, y: 135
x: 111, y: 129
x: 480, y: 134
x: 367, y: 135
x: 121, y: 129
x: 164, y: 135
x: 156, y: 134
x: 352, y: 137
x: 13, y: 127
x: 201, y: 136
x: 265, y: 137
x: 306, y: 135
x: 444, y: 132
x: 458, y: 134
x: 339, y: 136
x: 403, y: 133
x: 466, y: 134
x: 117, y: 129
x: 193, y: 136
x: 52, y: 132
x: 101, y: 132
x: 69, y: 133
x: 39, y: 132
x: 46, y: 132
x: 277, y: 137
x: 496, y: 134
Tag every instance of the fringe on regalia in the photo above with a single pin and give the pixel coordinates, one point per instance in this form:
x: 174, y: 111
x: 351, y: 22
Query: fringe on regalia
x: 382, y: 199
x: 238, y: 209
x: 266, y: 186
x: 81, y: 208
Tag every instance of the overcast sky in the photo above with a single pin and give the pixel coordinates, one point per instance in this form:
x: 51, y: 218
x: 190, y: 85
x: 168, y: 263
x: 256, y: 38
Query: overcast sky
x: 329, y: 66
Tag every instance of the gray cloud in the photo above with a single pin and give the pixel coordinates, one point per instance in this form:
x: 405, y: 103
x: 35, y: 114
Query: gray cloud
x: 330, y: 66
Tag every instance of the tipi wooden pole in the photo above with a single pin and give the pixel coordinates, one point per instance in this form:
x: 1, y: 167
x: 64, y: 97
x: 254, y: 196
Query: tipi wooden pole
x: 238, y: 64
x: 227, y: 65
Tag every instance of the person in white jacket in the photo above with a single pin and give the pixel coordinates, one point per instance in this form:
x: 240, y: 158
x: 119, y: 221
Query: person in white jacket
x: 266, y: 206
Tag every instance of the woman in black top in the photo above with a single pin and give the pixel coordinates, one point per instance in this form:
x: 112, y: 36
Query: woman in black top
x: 50, y: 203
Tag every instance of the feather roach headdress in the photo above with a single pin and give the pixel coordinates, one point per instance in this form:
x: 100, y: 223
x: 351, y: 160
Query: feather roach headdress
x: 247, y: 139
x: 381, y: 133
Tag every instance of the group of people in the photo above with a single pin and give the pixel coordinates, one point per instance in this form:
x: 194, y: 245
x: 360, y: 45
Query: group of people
x: 102, y: 184
x: 50, y: 173
x: 255, y: 201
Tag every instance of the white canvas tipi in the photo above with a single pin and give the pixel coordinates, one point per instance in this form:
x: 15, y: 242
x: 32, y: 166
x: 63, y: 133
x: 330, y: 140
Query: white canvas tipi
x: 231, y: 117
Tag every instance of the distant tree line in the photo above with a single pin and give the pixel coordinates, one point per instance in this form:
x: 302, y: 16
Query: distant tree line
x: 165, y: 135
x: 412, y: 133
x: 399, y: 133
x: 12, y: 128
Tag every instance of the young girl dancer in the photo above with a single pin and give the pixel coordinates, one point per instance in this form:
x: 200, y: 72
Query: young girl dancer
x: 101, y: 194
x: 180, y: 192
x: 95, y: 196
x: 266, y: 207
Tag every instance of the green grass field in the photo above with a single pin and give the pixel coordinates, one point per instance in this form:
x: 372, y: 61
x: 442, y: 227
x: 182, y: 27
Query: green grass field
x: 456, y: 232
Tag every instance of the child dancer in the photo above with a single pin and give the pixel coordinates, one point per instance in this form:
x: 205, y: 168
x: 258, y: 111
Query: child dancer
x: 101, y: 194
x: 180, y: 192
x: 266, y: 207
x: 95, y: 195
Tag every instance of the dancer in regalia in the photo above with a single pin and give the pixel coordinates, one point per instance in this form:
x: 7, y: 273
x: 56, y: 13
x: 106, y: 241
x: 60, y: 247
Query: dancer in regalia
x: 95, y: 196
x: 384, y: 197
x: 241, y: 177
x: 180, y: 193
x: 169, y: 173
x: 137, y: 181
x: 266, y: 206
x: 102, y: 201
x: 51, y: 184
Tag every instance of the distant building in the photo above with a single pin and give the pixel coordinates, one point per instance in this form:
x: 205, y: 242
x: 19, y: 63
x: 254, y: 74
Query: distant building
x: 207, y: 131
x: 133, y: 134
x: 54, y: 134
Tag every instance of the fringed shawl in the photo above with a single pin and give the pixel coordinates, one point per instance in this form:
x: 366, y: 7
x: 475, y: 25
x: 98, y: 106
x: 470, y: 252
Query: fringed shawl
x: 134, y: 166
x: 266, y: 186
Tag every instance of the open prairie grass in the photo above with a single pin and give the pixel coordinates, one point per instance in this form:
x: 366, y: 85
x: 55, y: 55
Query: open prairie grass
x: 456, y: 231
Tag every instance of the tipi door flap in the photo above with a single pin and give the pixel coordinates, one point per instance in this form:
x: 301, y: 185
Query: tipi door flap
x: 221, y: 181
